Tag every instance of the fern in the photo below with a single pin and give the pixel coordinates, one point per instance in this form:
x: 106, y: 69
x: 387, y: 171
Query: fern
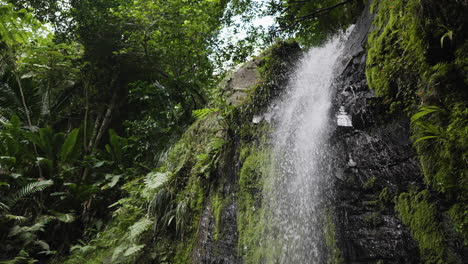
x: 23, y: 258
x: 30, y: 189
x: 4, y: 207
x: 118, y: 252
x: 16, y: 218
x: 154, y: 180
x: 426, y: 130
x: 423, y: 111
x: 202, y: 113
x: 182, y: 216
x: 138, y: 228
x: 82, y: 249
x: 133, y: 249
x: 162, y: 206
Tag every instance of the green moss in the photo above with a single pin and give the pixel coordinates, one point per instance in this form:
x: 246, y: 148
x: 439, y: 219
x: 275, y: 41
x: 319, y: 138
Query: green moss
x: 334, y: 253
x: 421, y: 216
x: 388, y: 72
x: 218, y: 205
x: 250, y: 218
x: 370, y: 183
x: 275, y: 66
x: 385, y: 196
x: 409, y: 67
x: 459, y: 215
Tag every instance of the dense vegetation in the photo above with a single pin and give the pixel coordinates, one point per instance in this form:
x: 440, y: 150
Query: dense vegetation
x: 110, y: 68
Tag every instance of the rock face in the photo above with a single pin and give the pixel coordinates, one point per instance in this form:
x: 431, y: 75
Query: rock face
x: 376, y: 161
x: 216, y: 241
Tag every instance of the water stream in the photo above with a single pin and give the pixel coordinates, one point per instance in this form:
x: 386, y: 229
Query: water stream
x: 294, y: 194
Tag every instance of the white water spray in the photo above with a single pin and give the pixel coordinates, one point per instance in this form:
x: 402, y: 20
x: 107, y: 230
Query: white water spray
x: 294, y: 193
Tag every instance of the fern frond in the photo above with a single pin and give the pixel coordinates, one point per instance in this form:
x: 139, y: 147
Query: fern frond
x: 4, y: 207
x: 182, y: 216
x: 118, y: 252
x: 83, y: 249
x: 23, y: 257
x: 30, y: 189
x: 139, y: 227
x: 16, y: 218
x: 154, y: 180
x: 133, y: 249
x: 162, y: 207
x: 202, y: 113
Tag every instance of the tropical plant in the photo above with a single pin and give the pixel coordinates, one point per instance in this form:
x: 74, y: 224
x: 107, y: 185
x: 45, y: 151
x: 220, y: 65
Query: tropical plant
x: 424, y: 129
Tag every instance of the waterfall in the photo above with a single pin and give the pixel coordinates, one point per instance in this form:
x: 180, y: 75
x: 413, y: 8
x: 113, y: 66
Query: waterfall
x: 294, y: 192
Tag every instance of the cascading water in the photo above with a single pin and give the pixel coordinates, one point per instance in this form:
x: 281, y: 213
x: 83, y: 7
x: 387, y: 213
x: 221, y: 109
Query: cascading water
x: 294, y: 192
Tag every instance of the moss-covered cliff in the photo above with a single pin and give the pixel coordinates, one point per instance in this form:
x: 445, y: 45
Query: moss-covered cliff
x: 417, y: 62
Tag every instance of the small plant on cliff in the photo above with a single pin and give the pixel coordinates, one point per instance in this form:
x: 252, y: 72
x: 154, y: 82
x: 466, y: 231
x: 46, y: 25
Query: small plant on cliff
x: 425, y: 129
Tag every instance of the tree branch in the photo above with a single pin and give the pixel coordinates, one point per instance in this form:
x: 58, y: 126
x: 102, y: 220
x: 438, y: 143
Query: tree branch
x: 318, y: 12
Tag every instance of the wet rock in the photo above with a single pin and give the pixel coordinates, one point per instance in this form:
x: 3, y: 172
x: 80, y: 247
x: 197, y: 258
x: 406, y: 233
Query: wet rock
x: 237, y: 84
x: 376, y: 162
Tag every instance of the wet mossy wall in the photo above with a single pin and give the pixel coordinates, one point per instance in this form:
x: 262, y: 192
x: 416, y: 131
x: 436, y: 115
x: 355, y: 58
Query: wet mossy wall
x: 417, y: 62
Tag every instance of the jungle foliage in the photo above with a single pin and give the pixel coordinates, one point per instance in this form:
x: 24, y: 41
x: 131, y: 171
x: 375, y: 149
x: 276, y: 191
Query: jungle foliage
x: 74, y: 77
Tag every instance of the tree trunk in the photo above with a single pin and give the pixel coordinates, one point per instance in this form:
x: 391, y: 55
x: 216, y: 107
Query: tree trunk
x: 106, y: 120
x: 26, y: 110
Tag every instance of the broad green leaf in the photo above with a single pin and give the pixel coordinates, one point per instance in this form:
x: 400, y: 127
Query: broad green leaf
x: 7, y: 160
x: 47, y: 136
x: 44, y: 162
x: 424, y: 138
x: 114, y: 180
x: 16, y: 218
x: 69, y: 146
x: 449, y: 34
x: 423, y: 111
